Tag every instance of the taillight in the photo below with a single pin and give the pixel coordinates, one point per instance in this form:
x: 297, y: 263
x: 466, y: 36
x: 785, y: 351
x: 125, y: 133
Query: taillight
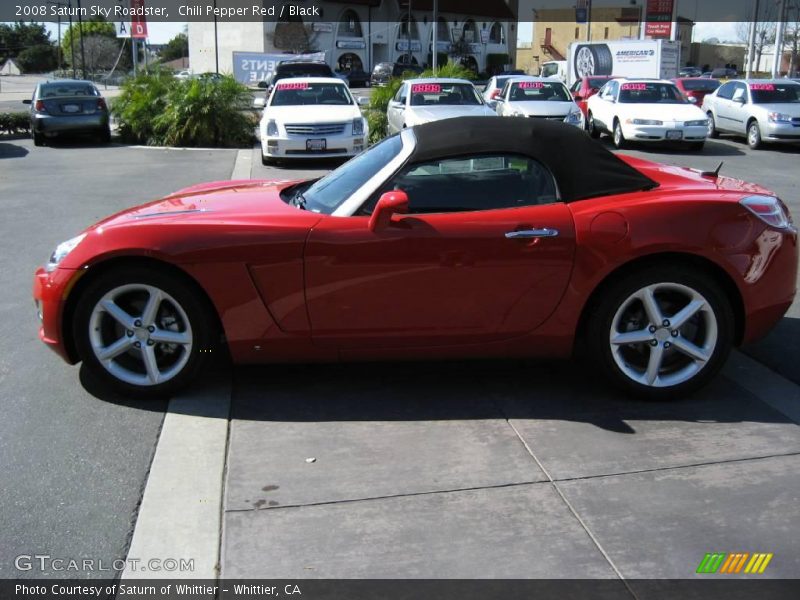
x: 495, y: 94
x: 101, y: 104
x: 39, y: 106
x: 769, y: 209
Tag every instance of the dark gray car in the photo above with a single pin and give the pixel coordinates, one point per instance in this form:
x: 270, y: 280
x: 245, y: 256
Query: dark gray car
x: 68, y: 107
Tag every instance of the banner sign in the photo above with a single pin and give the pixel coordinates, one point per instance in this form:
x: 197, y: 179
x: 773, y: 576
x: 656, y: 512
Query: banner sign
x: 659, y: 18
x: 251, y: 67
x: 138, y: 20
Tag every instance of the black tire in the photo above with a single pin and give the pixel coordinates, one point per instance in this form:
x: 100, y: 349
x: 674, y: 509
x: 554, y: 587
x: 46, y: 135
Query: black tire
x: 594, y: 132
x: 593, y: 59
x: 38, y: 139
x: 601, y: 322
x: 104, y: 137
x: 618, y: 136
x: 267, y: 162
x: 204, y: 330
x: 754, y: 135
x: 712, y: 126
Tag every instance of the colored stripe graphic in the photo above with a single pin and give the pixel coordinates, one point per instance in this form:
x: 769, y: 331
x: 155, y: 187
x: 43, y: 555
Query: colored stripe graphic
x: 734, y: 562
x: 758, y: 563
x: 711, y: 562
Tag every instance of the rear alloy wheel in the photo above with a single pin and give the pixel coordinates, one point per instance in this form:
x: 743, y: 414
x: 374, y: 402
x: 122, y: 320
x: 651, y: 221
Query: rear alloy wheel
x: 663, y: 332
x: 619, y: 138
x: 712, y: 126
x: 143, y: 332
x: 754, y: 135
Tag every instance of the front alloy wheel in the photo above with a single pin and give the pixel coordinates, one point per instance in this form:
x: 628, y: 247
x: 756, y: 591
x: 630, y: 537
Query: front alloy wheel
x: 619, y: 137
x: 754, y: 135
x: 143, y: 332
x: 663, y: 332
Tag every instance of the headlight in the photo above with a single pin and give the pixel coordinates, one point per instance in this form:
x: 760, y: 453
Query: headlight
x: 775, y: 117
x: 573, y: 118
x: 358, y: 126
x: 272, y: 128
x: 61, y: 252
x: 697, y: 123
x: 644, y: 122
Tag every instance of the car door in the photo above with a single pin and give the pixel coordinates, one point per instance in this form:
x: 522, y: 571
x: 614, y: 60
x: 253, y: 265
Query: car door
x: 484, y: 253
x: 604, y: 106
x: 395, y: 113
x: 739, y: 108
x: 502, y: 107
x: 723, y: 107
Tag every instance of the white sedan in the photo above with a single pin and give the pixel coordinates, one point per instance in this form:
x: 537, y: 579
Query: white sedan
x: 646, y: 110
x: 423, y: 100
x: 310, y: 117
x: 540, y: 98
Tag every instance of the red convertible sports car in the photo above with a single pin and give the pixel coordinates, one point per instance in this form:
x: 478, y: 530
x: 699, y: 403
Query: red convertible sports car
x: 460, y: 238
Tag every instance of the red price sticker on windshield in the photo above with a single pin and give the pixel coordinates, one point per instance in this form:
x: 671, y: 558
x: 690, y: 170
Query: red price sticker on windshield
x: 634, y: 86
x: 766, y: 87
x: 426, y: 88
x: 292, y: 86
x: 530, y: 85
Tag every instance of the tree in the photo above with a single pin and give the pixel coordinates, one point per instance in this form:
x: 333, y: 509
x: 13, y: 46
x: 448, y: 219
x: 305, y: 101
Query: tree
x: 101, y: 53
x: 765, y: 32
x: 177, y: 47
x: 19, y: 36
x: 90, y: 29
x: 294, y: 36
x: 792, y: 37
x: 38, y: 59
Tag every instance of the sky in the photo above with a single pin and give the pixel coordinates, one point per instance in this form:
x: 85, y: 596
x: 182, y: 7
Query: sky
x: 160, y: 33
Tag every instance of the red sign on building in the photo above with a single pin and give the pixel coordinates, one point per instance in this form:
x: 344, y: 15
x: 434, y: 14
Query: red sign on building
x: 659, y: 18
x: 138, y: 21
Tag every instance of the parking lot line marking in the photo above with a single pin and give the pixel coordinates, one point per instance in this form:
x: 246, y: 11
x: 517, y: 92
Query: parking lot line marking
x: 765, y: 384
x: 181, y: 511
x: 574, y: 512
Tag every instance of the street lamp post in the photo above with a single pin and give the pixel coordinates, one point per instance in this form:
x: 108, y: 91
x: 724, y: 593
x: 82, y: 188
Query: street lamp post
x: 83, y: 51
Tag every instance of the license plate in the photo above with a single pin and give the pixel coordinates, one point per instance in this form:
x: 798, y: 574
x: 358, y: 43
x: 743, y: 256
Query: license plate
x: 674, y: 134
x: 70, y: 108
x: 316, y: 145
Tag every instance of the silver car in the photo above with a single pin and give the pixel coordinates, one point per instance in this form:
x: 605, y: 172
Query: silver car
x: 763, y: 110
x: 67, y: 107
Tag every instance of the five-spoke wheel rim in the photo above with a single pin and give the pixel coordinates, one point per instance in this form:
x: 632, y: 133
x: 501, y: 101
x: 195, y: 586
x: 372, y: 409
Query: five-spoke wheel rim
x: 617, y: 134
x: 140, y: 334
x: 663, y: 334
x: 753, y: 134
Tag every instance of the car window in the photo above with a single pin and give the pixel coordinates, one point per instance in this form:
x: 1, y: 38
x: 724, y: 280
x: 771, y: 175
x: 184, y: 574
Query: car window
x: 539, y: 91
x: 443, y: 93
x: 700, y: 85
x: 775, y: 93
x: 62, y: 90
x: 726, y: 90
x: 610, y: 89
x: 650, y: 92
x: 473, y: 183
x: 293, y: 93
x: 595, y: 83
x: 327, y: 194
x: 739, y: 92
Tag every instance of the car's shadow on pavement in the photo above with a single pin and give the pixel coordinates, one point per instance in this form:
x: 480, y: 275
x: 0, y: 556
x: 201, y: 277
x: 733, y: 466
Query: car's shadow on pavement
x: 711, y: 148
x: 8, y: 150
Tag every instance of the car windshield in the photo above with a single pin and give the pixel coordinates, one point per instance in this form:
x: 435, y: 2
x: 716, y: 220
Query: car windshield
x: 700, y: 85
x: 285, y: 71
x: 539, y: 91
x: 325, y: 195
x: 441, y: 93
x: 63, y: 90
x: 650, y: 93
x: 775, y: 93
x: 294, y: 93
x: 549, y: 70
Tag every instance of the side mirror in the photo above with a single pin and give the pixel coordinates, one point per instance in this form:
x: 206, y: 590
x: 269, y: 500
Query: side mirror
x: 692, y: 99
x: 363, y: 101
x: 577, y: 97
x: 27, y: 101
x: 397, y: 105
x: 259, y: 103
x: 262, y: 85
x: 739, y: 100
x: 390, y: 203
x: 499, y: 99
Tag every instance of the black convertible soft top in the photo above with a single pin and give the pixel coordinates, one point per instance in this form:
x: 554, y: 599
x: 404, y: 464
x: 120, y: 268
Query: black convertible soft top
x: 583, y: 168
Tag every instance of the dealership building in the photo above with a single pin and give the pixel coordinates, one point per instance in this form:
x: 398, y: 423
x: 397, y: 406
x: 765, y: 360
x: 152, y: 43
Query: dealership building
x: 357, y: 34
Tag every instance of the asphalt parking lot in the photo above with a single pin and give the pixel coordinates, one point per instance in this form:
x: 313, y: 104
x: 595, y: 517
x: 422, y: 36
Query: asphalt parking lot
x: 511, y: 469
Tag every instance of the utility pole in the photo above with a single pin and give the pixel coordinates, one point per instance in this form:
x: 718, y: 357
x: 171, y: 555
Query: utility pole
x: 83, y: 52
x: 589, y: 21
x: 408, y: 31
x: 435, y: 50
x: 216, y: 41
x: 778, y: 59
x: 751, y: 42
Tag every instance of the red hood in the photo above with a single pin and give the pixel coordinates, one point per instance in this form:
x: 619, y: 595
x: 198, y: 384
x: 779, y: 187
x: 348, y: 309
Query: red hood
x: 684, y: 179
x: 220, y: 200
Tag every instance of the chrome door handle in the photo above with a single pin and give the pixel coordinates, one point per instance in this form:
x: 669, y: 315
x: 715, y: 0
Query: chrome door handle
x: 532, y: 233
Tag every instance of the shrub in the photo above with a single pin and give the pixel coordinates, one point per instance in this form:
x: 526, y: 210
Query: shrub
x: 141, y: 100
x: 377, y: 125
x: 451, y: 69
x: 204, y: 112
x: 14, y: 123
